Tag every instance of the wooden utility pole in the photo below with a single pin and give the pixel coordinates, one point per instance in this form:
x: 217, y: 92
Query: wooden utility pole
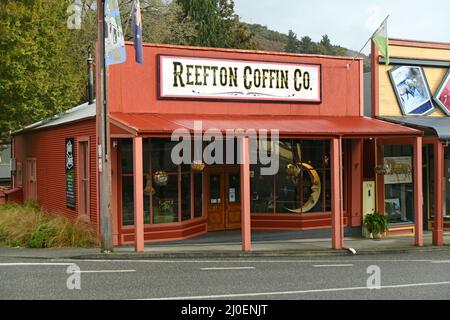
x: 103, y: 141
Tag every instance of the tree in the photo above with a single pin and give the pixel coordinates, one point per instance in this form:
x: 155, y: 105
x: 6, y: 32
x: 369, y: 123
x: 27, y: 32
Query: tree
x: 292, y: 44
x: 325, y: 42
x: 307, y: 45
x: 216, y: 24
x: 40, y: 75
x: 162, y: 21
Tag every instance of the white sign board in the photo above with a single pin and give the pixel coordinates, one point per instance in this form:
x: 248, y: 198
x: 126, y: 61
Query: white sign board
x: 221, y: 79
x: 399, y: 170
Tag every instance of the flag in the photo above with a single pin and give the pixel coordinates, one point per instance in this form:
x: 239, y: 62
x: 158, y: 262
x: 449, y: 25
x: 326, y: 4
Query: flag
x: 114, y: 41
x: 380, y: 38
x: 137, y: 26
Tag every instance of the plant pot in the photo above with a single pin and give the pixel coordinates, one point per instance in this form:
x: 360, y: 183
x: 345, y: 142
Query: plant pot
x: 366, y: 234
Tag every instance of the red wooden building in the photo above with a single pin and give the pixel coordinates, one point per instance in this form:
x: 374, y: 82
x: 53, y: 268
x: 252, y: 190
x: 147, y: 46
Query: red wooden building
x: 327, y: 148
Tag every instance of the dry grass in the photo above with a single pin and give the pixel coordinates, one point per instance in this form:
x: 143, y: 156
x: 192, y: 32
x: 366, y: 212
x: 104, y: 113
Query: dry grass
x: 28, y: 226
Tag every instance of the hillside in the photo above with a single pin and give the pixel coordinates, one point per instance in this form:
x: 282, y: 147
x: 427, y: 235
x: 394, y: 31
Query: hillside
x: 270, y: 40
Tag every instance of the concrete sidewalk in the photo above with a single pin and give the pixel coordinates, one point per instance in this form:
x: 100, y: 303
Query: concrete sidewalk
x: 227, y: 247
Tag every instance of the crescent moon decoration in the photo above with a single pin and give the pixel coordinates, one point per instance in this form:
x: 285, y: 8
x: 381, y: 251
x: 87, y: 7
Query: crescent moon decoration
x: 316, y: 190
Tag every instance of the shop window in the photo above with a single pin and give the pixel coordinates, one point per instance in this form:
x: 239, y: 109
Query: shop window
x: 262, y: 191
x: 198, y: 195
x: 447, y: 181
x: 186, y: 196
x: 127, y: 201
x: 428, y: 182
x: 148, y: 184
x: 165, y: 201
x: 302, y: 184
x: 127, y: 181
x: 399, y: 187
x: 168, y: 189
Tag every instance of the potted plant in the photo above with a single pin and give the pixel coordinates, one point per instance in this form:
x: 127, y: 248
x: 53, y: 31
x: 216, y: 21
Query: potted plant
x: 376, y: 225
x: 197, y: 165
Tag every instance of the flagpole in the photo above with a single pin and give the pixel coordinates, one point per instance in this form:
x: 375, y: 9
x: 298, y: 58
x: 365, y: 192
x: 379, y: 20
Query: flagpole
x: 104, y: 165
x: 360, y: 51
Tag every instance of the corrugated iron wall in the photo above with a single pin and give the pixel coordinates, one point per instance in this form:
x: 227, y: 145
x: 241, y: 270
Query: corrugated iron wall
x: 48, y: 147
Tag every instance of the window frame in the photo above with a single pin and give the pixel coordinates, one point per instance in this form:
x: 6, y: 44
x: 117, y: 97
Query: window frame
x: 85, y: 140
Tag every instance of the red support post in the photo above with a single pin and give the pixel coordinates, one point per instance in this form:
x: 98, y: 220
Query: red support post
x: 245, y: 196
x: 337, y: 222
x: 418, y: 191
x: 138, y: 195
x: 438, y: 230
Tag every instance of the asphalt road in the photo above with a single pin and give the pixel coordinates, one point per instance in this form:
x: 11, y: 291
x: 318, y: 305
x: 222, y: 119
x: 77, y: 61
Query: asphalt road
x: 420, y: 276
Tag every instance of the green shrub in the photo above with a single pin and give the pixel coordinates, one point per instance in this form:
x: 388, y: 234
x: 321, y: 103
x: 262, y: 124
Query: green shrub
x: 41, y: 237
x: 28, y: 226
x: 376, y: 223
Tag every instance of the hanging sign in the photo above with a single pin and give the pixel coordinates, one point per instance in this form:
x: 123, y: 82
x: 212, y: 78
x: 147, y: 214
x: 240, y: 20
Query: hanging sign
x: 70, y: 173
x: 221, y: 79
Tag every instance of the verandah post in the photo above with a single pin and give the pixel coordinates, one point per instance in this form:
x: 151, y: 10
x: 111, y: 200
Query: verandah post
x: 245, y: 196
x: 337, y: 222
x: 138, y: 195
x: 438, y: 230
x: 418, y: 192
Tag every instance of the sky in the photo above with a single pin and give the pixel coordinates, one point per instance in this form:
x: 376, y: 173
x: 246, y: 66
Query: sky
x: 350, y: 23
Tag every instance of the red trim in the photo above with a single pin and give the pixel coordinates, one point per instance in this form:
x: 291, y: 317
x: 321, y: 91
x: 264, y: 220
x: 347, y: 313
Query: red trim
x: 80, y: 141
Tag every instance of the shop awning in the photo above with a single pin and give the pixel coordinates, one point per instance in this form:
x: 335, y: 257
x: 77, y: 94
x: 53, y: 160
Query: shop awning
x: 304, y: 125
x: 438, y: 126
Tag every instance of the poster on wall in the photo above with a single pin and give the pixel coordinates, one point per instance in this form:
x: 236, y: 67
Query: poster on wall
x: 412, y: 90
x: 70, y: 173
x: 399, y: 170
x: 442, y: 96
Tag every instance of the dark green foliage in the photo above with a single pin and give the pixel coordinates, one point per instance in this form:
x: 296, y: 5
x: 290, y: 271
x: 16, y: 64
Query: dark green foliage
x: 216, y: 24
x: 40, y: 75
x: 376, y: 223
x: 292, y: 44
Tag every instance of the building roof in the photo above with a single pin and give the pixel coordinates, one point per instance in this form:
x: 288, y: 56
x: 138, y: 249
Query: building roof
x: 438, y: 126
x: 289, y: 124
x: 83, y: 111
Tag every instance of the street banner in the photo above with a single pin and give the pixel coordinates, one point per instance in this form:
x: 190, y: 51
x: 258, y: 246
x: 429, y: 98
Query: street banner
x: 114, y: 40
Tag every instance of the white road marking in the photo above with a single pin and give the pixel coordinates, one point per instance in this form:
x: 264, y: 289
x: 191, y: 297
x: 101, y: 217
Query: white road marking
x: 228, y: 268
x: 104, y: 271
x: 440, y: 261
x: 24, y: 264
x: 218, y: 296
x: 332, y: 265
x: 245, y: 261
